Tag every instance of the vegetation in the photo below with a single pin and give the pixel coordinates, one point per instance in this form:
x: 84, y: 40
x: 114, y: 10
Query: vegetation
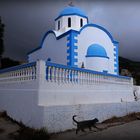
x: 4, y: 62
x: 1, y: 39
x: 132, y: 66
x: 7, y: 62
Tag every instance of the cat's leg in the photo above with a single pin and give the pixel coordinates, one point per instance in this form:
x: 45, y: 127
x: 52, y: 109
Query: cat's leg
x: 83, y: 129
x: 90, y: 128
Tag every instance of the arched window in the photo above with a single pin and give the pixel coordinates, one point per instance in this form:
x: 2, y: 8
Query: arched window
x: 69, y: 22
x: 81, y: 22
x: 58, y: 24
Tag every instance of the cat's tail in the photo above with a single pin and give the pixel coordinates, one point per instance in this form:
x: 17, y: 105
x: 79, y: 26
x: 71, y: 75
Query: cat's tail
x: 74, y: 118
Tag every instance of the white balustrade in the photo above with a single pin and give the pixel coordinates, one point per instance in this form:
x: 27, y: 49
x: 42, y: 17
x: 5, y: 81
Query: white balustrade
x: 64, y: 74
x: 24, y: 72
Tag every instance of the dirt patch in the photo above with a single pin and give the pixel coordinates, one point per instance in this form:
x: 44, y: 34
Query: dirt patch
x: 18, y: 131
x: 124, y: 119
x: 1, y: 130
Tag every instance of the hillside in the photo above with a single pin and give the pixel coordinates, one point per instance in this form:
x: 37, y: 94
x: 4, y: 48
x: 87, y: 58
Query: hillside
x: 133, y: 68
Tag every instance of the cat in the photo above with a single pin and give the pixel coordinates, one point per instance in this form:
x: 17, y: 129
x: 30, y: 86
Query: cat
x: 81, y: 125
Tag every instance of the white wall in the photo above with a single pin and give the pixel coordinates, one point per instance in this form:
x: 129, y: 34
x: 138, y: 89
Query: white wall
x: 75, y: 23
x: 59, y: 118
x: 51, y: 48
x: 97, y: 63
x: 51, y: 104
x: 20, y: 100
x: 93, y: 35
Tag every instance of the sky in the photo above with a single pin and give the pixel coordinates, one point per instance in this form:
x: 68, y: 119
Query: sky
x: 26, y: 22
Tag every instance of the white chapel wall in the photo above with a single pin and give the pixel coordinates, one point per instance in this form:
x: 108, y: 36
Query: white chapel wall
x: 51, y: 48
x: 94, y: 35
x: 75, y: 23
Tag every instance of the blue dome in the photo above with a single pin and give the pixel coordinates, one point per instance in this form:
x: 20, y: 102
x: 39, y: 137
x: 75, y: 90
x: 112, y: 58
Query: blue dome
x: 96, y: 50
x: 72, y: 10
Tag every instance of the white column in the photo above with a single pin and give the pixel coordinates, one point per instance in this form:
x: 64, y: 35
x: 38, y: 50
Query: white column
x: 41, y: 71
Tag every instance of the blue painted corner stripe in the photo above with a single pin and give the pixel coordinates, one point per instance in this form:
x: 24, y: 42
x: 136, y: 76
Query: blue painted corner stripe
x: 115, y: 70
x: 75, y: 53
x: 75, y: 47
x: 75, y: 60
x: 115, y: 65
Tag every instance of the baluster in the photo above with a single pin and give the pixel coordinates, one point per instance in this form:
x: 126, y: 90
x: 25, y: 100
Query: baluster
x: 78, y: 77
x: 62, y: 72
x: 49, y: 73
x: 90, y: 78
x: 62, y: 77
x: 85, y: 78
x: 66, y: 76
x: 25, y: 74
x: 33, y: 72
x: 30, y: 72
x: 72, y: 76
x: 82, y: 77
x: 69, y: 75
x: 52, y: 74
x: 57, y: 74
x: 95, y: 78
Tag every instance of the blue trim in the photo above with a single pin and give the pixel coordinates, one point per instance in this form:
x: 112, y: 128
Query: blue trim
x: 96, y: 50
x: 116, y: 55
x: 99, y: 27
x: 115, y: 65
x: 71, y: 49
x: 85, y: 70
x: 18, y: 67
x: 97, y: 56
x: 105, y: 71
x: 71, y: 15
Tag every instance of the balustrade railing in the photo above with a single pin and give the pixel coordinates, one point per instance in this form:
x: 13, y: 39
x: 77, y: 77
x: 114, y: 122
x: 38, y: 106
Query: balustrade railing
x: 25, y: 72
x: 66, y: 74
x: 60, y: 74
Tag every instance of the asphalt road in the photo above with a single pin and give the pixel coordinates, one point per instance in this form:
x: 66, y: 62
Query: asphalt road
x: 128, y: 131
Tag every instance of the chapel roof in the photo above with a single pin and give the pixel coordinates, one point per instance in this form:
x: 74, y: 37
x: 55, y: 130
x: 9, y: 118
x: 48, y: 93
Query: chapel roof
x: 72, y: 10
x: 96, y: 50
